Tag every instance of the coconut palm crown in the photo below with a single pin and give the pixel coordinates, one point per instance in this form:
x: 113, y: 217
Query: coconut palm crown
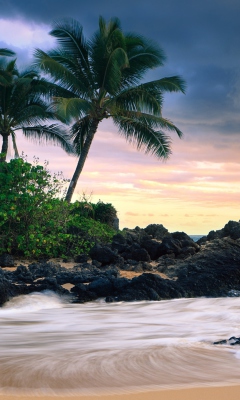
x: 102, y: 78
x: 23, y: 107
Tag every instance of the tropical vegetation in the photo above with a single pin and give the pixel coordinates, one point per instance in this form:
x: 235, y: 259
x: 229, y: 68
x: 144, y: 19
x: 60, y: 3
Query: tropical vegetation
x: 83, y: 83
x: 24, y: 107
x: 103, y: 78
x: 36, y: 222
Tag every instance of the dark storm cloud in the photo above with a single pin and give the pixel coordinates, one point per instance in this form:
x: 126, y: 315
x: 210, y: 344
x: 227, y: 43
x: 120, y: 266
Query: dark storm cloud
x: 201, y: 40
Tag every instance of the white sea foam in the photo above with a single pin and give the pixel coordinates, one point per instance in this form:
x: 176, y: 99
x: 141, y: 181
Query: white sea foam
x: 49, y: 345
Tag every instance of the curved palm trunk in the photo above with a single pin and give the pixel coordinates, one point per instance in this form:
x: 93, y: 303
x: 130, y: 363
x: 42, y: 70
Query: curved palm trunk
x: 16, y: 153
x: 81, y: 161
x: 4, y: 148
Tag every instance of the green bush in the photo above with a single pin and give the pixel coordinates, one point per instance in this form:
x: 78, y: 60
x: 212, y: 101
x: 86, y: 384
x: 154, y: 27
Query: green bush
x: 84, y: 233
x: 32, y: 219
x: 35, y: 222
x: 102, y: 212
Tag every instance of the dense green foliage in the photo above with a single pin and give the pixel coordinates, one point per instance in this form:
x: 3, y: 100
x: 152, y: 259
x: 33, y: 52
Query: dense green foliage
x: 35, y: 221
x: 102, y: 78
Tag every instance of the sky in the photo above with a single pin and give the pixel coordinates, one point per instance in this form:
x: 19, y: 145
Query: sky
x: 198, y: 188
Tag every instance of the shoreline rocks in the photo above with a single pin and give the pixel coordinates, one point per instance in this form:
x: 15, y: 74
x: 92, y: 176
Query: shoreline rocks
x: 209, y: 268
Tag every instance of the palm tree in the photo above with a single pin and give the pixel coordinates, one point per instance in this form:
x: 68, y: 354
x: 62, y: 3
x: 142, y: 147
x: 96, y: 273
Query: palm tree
x: 102, y: 78
x: 23, y: 106
x: 4, y: 76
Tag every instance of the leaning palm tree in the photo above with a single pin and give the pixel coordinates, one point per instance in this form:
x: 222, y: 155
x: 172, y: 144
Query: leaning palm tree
x: 23, y: 106
x: 102, y: 78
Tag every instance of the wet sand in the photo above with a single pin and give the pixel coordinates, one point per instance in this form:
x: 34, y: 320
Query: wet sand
x: 206, y: 393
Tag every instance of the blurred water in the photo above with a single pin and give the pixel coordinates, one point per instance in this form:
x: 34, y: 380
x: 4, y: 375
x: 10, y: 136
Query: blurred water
x: 50, y: 346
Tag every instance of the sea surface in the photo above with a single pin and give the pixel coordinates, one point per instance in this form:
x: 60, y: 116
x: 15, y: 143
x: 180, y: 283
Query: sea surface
x: 195, y: 238
x: 50, y: 346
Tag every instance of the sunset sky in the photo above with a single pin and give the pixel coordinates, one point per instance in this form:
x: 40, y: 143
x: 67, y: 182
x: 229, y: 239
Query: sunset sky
x: 198, y: 188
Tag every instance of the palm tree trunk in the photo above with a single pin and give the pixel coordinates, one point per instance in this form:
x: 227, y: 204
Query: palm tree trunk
x: 4, y: 150
x: 82, y: 159
x: 16, y: 153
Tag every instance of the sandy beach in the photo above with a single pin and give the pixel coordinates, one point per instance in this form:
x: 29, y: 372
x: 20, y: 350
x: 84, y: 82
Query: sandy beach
x: 206, y: 393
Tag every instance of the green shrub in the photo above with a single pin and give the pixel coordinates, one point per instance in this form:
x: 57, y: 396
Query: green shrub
x: 84, y: 233
x: 102, y: 212
x: 32, y: 219
x: 34, y: 222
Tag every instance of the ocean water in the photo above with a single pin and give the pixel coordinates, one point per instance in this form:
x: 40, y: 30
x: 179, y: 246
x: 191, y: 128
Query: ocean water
x: 195, y: 238
x: 50, y: 346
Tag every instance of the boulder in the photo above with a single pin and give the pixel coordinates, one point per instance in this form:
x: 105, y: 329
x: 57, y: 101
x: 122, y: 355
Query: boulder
x: 82, y: 295
x: 119, y: 243
x: 153, y: 247
x: 136, y: 253
x: 4, y: 290
x: 232, y: 341
x: 170, y: 246
x: 156, y: 231
x: 22, y: 274
x: 7, y: 260
x: 103, y: 254
x: 102, y: 287
x: 81, y: 258
x: 214, y: 271
x: 148, y: 286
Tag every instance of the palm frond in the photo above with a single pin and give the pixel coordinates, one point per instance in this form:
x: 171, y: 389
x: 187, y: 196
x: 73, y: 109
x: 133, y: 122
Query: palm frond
x: 154, y: 122
x: 69, y: 34
x: 169, y: 84
x: 143, y: 55
x: 6, y: 52
x: 144, y: 137
x: 58, y: 72
x: 108, y: 55
x: 113, y: 73
x: 72, y: 64
x: 52, y: 134
x: 138, y: 99
x: 68, y: 109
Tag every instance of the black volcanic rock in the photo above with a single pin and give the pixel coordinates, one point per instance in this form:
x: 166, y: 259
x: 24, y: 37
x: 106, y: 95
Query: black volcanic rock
x: 153, y: 247
x: 6, y: 260
x: 135, y: 252
x: 232, y: 341
x: 213, y: 272
x: 156, y: 231
x: 231, y: 229
x: 148, y: 286
x: 103, y: 254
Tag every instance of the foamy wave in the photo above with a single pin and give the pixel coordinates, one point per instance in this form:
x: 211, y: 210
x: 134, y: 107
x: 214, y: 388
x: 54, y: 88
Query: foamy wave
x: 48, y: 345
x: 32, y: 302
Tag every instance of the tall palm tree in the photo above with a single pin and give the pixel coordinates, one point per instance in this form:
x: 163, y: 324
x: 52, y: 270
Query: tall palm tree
x: 102, y: 78
x: 23, y: 106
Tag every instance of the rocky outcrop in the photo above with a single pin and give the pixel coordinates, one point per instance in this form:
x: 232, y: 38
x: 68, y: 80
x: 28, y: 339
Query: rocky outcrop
x: 192, y: 270
x: 231, y: 229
